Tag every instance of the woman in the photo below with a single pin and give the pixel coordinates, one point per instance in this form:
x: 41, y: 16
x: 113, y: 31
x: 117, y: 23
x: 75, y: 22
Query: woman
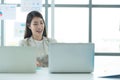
x: 35, y: 35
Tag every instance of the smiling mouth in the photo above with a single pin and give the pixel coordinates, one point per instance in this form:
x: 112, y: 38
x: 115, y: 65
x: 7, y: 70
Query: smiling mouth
x: 39, y: 31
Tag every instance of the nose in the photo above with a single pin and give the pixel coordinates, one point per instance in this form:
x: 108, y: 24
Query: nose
x: 40, y: 26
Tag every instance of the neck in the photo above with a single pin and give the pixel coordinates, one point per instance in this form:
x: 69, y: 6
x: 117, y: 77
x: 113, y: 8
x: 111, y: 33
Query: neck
x: 37, y: 38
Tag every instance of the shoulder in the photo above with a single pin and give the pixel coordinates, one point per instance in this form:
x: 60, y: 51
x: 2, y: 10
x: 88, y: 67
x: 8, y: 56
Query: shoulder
x: 50, y: 40
x: 24, y: 42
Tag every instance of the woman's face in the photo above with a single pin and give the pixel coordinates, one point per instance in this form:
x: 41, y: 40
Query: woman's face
x: 37, y: 26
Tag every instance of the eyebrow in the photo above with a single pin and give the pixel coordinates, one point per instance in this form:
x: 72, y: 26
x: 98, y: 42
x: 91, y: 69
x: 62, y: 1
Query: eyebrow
x: 35, y: 21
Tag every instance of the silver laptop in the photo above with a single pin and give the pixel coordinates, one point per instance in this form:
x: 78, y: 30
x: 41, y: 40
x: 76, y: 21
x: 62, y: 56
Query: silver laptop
x: 71, y: 57
x: 18, y: 59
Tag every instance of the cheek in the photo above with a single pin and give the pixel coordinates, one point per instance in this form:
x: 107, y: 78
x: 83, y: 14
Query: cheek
x: 32, y: 29
x: 43, y: 27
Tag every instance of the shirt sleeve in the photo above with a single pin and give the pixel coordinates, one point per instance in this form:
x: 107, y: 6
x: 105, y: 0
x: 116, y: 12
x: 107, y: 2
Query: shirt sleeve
x: 23, y: 42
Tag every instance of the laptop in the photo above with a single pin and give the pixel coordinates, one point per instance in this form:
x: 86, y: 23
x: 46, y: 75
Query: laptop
x: 71, y: 57
x: 17, y: 59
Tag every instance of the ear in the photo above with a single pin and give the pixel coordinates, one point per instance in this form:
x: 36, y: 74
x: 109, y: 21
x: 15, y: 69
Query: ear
x: 28, y: 26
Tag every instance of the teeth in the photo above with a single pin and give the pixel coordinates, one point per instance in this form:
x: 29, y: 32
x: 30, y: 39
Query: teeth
x: 39, y: 31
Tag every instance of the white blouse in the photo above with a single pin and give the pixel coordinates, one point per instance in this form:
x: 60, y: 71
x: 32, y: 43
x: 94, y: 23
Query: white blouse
x: 42, y: 56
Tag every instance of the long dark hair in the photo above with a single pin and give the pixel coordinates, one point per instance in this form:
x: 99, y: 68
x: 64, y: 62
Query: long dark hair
x: 30, y: 16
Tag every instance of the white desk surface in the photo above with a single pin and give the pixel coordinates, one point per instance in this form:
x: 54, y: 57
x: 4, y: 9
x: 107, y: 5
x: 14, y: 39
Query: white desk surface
x: 103, y: 66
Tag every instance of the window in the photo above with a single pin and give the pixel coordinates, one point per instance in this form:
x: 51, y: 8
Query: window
x: 17, y: 1
x: 106, y: 29
x: 71, y: 24
x: 106, y: 2
x: 74, y: 21
x: 71, y: 1
x: 13, y: 1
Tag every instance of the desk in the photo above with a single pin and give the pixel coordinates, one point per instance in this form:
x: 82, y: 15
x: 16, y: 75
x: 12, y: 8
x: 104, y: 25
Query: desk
x: 103, y: 66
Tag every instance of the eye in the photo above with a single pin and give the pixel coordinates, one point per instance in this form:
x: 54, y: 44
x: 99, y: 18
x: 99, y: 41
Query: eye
x: 35, y: 24
x: 41, y: 23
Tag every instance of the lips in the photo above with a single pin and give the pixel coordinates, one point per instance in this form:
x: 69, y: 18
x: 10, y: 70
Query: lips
x: 39, y: 31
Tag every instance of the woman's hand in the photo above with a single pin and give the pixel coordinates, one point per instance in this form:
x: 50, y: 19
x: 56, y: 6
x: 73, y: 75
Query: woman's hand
x: 38, y: 64
x: 42, y: 62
